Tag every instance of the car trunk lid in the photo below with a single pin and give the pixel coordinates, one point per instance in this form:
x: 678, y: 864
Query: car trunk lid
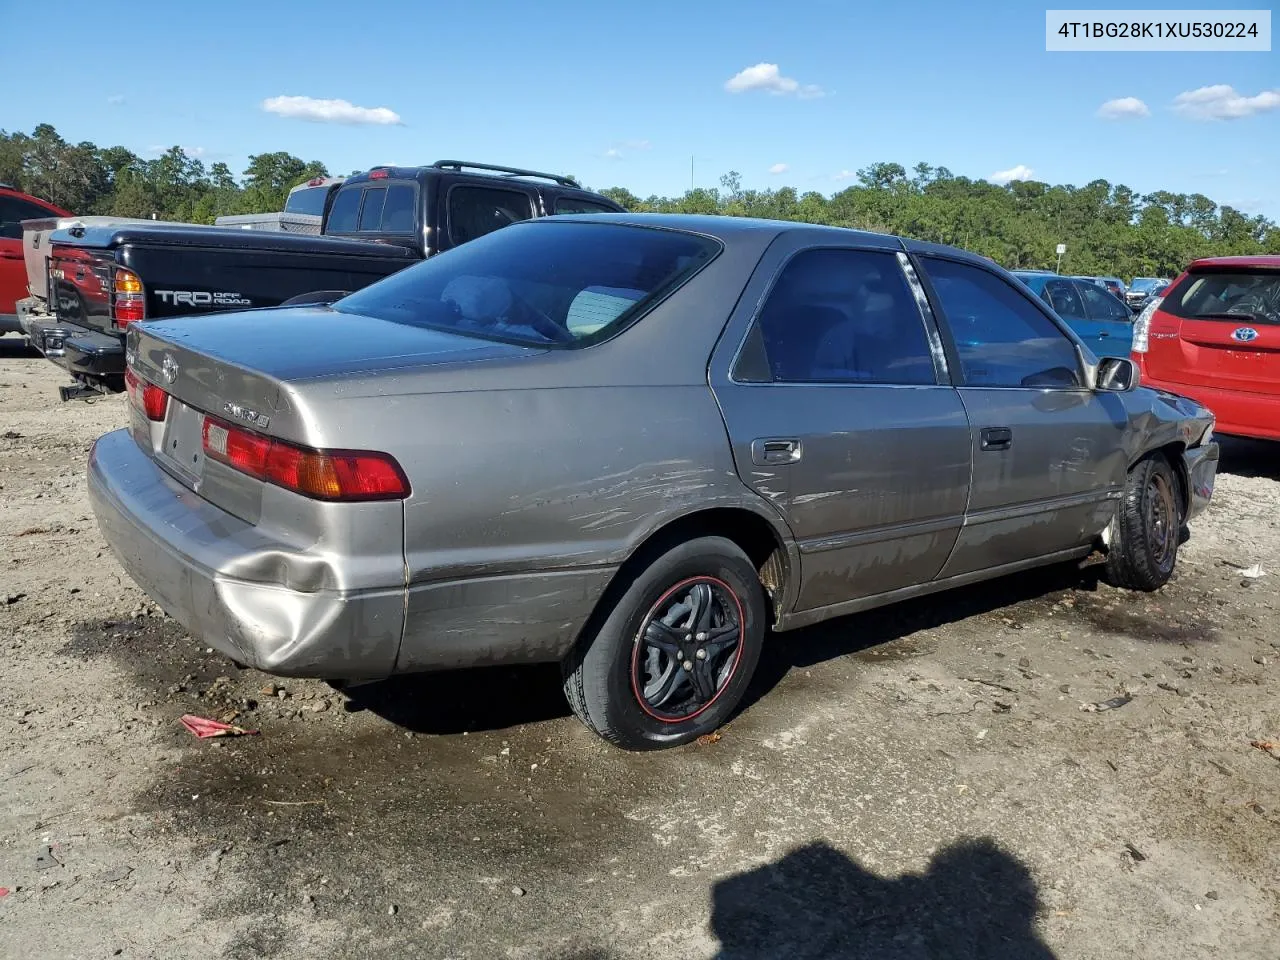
x: 250, y: 370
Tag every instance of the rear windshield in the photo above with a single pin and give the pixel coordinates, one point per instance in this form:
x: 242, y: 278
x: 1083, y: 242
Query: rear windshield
x: 308, y: 200
x: 1233, y: 296
x: 545, y: 284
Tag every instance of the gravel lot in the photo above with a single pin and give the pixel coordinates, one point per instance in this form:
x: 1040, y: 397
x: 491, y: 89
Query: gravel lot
x: 917, y: 782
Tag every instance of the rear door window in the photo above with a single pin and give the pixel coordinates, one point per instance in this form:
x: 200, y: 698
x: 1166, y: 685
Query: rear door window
x: 1236, y: 296
x: 1003, y: 339
x: 1063, y: 296
x: 1102, y: 305
x: 475, y: 211
x: 844, y: 316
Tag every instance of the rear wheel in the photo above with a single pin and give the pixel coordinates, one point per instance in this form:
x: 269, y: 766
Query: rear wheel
x: 671, y: 656
x: 1149, y: 526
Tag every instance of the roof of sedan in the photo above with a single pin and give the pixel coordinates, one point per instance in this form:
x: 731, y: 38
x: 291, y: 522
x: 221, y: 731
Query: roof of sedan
x: 724, y: 228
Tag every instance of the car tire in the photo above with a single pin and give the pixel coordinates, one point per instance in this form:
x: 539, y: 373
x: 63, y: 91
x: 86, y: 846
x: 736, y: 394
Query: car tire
x: 635, y: 694
x: 1149, y: 527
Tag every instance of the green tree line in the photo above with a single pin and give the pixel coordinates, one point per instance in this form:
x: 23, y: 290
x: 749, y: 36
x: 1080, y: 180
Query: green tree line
x: 1109, y: 229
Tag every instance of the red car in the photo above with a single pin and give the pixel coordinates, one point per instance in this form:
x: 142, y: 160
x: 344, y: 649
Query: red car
x: 15, y: 207
x: 1214, y: 336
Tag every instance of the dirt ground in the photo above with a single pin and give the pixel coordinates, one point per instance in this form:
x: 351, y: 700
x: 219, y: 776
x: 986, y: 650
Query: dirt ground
x: 922, y: 781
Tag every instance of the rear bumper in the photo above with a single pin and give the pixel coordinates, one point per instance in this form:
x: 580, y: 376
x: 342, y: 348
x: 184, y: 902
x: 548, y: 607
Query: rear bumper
x: 185, y: 552
x: 1236, y: 412
x: 92, y: 357
x: 177, y: 547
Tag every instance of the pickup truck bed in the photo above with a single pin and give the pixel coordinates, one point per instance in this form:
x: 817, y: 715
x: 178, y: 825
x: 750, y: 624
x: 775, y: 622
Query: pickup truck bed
x: 180, y: 269
x: 93, y: 277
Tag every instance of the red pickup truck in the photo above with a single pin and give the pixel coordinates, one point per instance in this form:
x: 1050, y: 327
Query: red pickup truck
x: 15, y: 207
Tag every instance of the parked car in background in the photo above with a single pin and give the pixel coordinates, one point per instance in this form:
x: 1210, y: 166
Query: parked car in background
x: 1113, y: 285
x: 1103, y: 322
x: 630, y: 444
x: 104, y: 277
x: 303, y: 210
x: 1142, y: 288
x: 1214, y: 335
x: 15, y: 207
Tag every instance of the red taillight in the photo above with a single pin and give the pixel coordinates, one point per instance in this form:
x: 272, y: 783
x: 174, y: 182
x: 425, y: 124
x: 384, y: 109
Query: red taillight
x: 377, y: 174
x: 320, y: 474
x: 128, y: 302
x: 146, y: 397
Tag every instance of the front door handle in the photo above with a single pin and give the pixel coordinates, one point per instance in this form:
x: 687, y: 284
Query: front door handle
x: 997, y: 438
x: 773, y: 451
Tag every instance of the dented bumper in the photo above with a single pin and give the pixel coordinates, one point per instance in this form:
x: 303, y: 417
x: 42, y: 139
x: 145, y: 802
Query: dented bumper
x: 181, y: 549
x: 1202, y: 470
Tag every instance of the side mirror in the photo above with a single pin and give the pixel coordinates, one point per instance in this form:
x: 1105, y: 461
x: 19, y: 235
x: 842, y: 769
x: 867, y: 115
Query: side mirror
x: 1117, y: 375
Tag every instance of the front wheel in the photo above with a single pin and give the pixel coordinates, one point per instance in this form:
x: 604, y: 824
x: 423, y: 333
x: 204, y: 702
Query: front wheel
x: 672, y: 655
x: 1149, y: 527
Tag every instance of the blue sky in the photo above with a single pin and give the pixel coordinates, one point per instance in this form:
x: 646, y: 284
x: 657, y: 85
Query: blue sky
x: 624, y: 93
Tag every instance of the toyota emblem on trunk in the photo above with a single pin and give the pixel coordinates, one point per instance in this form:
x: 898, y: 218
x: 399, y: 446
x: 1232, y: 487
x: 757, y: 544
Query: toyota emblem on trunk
x: 169, y: 367
x: 1244, y: 334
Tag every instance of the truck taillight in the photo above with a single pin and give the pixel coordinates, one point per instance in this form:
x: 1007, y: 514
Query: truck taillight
x: 345, y: 475
x: 147, y: 397
x: 128, y: 303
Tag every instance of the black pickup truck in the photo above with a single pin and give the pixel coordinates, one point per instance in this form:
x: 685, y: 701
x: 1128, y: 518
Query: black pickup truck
x: 91, y: 278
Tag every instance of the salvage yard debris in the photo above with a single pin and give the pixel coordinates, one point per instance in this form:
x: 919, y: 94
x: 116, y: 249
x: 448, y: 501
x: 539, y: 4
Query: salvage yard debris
x: 205, y: 728
x: 1112, y: 704
x: 1269, y: 747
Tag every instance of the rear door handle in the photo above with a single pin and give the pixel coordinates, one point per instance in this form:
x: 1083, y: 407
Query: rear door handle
x: 773, y: 451
x: 997, y: 438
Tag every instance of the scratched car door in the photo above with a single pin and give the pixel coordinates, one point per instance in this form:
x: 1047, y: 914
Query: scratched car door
x: 839, y: 412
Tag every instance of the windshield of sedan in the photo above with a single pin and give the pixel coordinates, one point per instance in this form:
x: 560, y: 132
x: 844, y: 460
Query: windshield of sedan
x: 559, y: 284
x: 1146, y: 284
x: 1244, y: 295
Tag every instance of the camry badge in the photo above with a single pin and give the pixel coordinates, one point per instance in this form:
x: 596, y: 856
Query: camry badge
x: 1244, y: 334
x: 169, y: 367
x: 246, y: 414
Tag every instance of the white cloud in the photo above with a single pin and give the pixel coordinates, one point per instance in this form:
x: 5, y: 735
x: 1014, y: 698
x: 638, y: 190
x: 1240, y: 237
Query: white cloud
x: 844, y: 175
x: 329, y: 111
x: 1124, y: 108
x: 767, y: 77
x: 1222, y: 102
x: 115, y: 99
x: 1020, y: 172
x: 778, y: 168
x: 613, y: 153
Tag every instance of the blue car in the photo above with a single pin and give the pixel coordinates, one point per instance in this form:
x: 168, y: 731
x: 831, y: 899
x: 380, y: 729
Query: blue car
x: 1100, y: 319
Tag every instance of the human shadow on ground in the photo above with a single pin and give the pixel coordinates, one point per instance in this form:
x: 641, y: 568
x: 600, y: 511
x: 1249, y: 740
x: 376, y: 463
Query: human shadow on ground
x: 974, y: 901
